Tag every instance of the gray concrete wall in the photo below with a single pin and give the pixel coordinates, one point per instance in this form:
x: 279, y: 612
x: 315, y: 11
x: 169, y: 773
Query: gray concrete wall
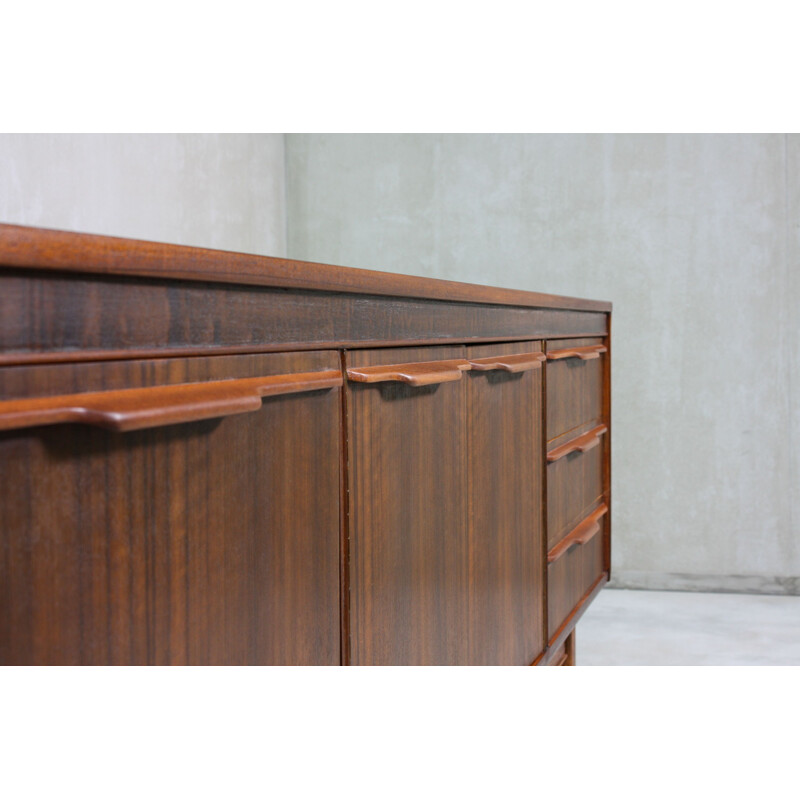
x: 696, y: 240
x: 212, y: 190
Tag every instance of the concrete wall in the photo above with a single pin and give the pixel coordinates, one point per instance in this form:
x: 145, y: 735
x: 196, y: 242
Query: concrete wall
x: 212, y: 190
x: 696, y: 240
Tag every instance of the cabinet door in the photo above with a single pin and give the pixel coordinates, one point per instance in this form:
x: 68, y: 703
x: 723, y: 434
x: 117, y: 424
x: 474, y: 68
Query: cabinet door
x: 174, y: 511
x: 409, y: 570
x: 505, y: 473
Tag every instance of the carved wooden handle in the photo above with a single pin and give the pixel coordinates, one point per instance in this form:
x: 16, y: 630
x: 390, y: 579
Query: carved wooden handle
x: 422, y: 374
x: 132, y: 409
x: 586, y: 441
x: 582, y: 533
x: 583, y: 353
x: 515, y: 363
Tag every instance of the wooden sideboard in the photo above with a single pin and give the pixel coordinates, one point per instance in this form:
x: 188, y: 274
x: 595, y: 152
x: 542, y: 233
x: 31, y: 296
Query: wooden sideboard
x: 217, y: 458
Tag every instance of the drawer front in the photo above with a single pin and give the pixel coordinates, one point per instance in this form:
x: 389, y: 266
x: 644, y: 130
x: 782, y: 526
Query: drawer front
x: 574, y: 384
x: 572, y: 575
x: 574, y: 482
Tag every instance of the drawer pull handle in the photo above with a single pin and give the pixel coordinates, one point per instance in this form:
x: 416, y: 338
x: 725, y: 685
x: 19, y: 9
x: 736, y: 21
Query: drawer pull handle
x: 422, y: 374
x: 583, y: 353
x: 586, y: 441
x: 581, y: 534
x: 514, y: 363
x: 151, y: 407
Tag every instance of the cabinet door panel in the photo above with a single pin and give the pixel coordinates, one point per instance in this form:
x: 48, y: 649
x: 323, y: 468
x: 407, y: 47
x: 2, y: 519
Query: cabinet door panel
x: 506, y: 549
x: 182, y: 543
x: 407, y: 508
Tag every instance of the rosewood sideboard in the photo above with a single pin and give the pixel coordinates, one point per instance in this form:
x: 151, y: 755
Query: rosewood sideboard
x: 217, y: 458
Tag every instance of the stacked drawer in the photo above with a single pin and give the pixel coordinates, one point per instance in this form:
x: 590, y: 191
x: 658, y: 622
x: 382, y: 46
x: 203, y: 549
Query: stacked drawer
x: 577, y: 443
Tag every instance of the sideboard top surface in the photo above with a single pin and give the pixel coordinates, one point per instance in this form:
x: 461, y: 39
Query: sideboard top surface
x: 23, y: 247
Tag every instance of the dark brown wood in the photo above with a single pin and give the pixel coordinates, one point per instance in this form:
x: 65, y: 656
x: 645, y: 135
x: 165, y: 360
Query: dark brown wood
x: 84, y: 253
x: 519, y: 362
x: 560, y: 635
x: 569, y: 647
x: 580, y: 444
x: 184, y: 544
x: 561, y: 651
x: 582, y: 533
x: 51, y: 317
x: 574, y: 392
x: 607, y: 448
x: 397, y: 520
x: 426, y: 373
x: 344, y: 528
x: 574, y: 487
x: 558, y: 657
x: 409, y: 550
x: 583, y: 353
x: 506, y: 527
x: 154, y: 406
x: 571, y: 576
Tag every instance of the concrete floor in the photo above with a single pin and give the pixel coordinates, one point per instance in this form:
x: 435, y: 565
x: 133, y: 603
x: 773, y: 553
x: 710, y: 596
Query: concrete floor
x: 624, y: 627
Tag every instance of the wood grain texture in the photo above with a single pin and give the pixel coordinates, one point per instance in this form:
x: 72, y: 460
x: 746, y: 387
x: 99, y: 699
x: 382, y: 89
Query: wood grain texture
x: 607, y: 449
x: 51, y: 317
x: 574, y: 486
x: 562, y: 633
x: 40, y: 248
x: 581, y: 443
x: 387, y: 523
x: 516, y: 362
x: 178, y: 545
x: 569, y: 646
x: 563, y: 655
x: 155, y: 406
x: 409, y: 550
x: 425, y: 373
x: 581, y: 534
x: 574, y: 391
x: 571, y: 576
x: 588, y: 353
x: 506, y: 568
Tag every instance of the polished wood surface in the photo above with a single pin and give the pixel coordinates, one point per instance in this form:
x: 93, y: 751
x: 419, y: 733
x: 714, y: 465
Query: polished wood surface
x: 581, y: 443
x: 583, y: 353
x: 135, y: 409
x: 569, y: 647
x: 47, y: 316
x: 506, y: 526
x: 407, y: 487
x: 563, y: 655
x: 572, y: 576
x: 39, y: 248
x: 214, y: 458
x: 582, y: 533
x: 516, y: 362
x: 574, y: 390
x: 462, y: 582
x: 424, y: 374
x: 184, y: 544
x: 574, y: 487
